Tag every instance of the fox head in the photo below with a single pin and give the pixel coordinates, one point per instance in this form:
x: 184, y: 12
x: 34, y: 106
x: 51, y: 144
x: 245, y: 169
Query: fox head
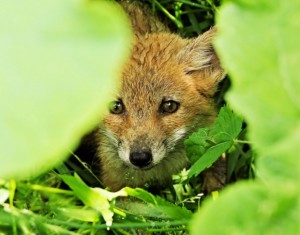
x: 166, y: 93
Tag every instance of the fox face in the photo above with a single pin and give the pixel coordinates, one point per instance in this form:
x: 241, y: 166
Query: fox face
x: 166, y: 93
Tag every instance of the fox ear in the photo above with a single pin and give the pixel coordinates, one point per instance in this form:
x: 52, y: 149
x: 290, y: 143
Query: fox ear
x: 202, y: 63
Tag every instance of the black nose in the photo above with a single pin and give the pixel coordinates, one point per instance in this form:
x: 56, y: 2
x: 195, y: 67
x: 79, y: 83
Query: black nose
x: 141, y: 159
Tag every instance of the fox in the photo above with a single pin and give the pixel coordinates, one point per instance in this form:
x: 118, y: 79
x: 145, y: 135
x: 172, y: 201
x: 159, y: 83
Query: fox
x: 166, y: 92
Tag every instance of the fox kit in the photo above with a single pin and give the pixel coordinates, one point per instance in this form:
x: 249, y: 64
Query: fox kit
x: 166, y: 93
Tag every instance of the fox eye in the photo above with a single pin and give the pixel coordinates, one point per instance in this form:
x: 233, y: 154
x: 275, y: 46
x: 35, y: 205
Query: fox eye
x: 116, y: 107
x: 169, y: 106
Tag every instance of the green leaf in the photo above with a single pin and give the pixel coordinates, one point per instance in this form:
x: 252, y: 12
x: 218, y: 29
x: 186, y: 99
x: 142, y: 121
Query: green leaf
x: 81, y: 214
x: 197, y: 144
x: 250, y: 208
x: 209, y: 157
x: 5, y: 218
x: 227, y: 126
x: 60, y: 62
x: 141, y: 194
x: 259, y: 45
x: 265, y: 91
x: 156, y: 206
x: 206, y: 145
x: 172, y: 211
x: 96, y: 198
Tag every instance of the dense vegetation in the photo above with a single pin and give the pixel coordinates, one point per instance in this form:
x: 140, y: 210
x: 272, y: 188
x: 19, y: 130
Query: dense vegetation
x: 263, y: 69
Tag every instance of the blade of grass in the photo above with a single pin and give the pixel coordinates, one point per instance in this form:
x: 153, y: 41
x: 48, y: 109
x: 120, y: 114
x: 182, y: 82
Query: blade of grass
x: 193, y: 19
x: 168, y: 14
x: 194, y: 4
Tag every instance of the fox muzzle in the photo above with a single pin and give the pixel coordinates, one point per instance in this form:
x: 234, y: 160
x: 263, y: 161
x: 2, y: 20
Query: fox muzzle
x: 142, y: 159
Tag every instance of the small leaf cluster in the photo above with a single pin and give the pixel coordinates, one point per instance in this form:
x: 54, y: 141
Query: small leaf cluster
x: 206, y: 145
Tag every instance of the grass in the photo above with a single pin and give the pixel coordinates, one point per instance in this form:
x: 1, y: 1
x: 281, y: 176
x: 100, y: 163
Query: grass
x: 188, y: 18
x: 47, y: 205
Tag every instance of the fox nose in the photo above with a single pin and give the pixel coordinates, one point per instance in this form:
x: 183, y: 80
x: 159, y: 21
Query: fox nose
x: 141, y: 159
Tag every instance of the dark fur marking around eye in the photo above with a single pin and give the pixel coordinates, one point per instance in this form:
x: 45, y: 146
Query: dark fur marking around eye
x: 205, y: 95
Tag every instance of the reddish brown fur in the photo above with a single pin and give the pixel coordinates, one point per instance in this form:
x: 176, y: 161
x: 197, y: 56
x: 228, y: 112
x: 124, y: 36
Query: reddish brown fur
x: 163, y: 66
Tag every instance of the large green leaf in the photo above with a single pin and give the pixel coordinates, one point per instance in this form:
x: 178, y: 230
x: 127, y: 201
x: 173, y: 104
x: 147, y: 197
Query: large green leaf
x: 264, y: 66
x: 60, y: 62
x: 265, y: 91
x: 250, y: 208
x: 259, y: 46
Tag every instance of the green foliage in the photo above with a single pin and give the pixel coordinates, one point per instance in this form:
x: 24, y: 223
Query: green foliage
x: 95, y: 198
x: 265, y: 86
x: 99, y: 199
x: 208, y: 144
x: 58, y: 71
x: 43, y: 116
x: 187, y: 17
x: 41, y: 209
x: 161, y: 207
x: 250, y: 208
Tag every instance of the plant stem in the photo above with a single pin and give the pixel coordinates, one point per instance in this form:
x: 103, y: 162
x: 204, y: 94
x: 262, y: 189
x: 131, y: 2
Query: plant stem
x: 168, y: 14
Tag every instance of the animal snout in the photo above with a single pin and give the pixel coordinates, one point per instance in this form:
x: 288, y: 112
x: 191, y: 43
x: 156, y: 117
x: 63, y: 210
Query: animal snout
x: 141, y: 159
